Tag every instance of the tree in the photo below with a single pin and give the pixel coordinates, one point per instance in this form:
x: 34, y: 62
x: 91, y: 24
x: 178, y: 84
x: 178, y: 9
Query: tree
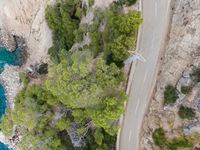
x: 180, y: 142
x: 89, y: 88
x: 120, y: 47
x: 196, y: 74
x: 63, y: 18
x: 6, y: 124
x: 127, y: 2
x: 62, y: 124
x: 170, y: 95
x: 108, y: 112
x: 81, y: 97
x: 186, y: 112
x: 119, y: 35
x: 185, y: 89
x: 159, y: 137
x: 98, y: 135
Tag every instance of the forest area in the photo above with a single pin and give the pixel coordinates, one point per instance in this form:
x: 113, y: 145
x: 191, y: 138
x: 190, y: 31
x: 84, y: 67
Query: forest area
x: 78, y: 105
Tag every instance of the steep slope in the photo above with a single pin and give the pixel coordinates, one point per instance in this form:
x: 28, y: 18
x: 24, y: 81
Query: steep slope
x: 26, y: 18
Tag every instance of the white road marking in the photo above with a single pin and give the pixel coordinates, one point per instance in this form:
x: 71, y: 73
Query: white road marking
x: 137, y: 106
x: 156, y: 9
x: 145, y: 76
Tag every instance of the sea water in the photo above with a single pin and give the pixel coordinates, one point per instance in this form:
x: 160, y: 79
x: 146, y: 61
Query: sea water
x: 10, y: 58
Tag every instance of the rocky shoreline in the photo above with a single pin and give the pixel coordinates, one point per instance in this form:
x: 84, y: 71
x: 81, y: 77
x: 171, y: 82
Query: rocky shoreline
x: 9, y: 78
x: 7, y: 40
x: 22, y: 25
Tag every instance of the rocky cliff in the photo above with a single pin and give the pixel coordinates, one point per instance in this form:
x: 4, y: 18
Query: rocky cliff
x: 22, y: 20
x: 26, y: 18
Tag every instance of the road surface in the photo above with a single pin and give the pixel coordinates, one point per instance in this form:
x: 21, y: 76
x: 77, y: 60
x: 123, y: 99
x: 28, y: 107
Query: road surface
x: 153, y: 32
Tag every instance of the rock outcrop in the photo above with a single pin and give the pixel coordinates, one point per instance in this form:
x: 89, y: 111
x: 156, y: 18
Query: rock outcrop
x: 26, y: 18
x: 7, y: 40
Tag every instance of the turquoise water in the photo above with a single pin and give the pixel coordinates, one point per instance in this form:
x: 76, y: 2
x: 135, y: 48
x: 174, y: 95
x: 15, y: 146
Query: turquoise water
x: 2, y: 101
x: 10, y: 58
x: 3, y: 147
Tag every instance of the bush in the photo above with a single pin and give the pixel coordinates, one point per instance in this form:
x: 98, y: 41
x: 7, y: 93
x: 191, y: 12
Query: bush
x: 161, y: 140
x: 181, y: 142
x: 196, y: 74
x: 186, y: 113
x: 170, y: 95
x: 185, y: 89
x: 159, y: 137
x: 91, y: 2
x: 127, y: 2
x: 119, y: 35
x: 63, y: 18
x: 24, y: 79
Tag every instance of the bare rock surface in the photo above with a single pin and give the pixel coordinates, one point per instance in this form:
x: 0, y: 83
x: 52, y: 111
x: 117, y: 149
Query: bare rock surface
x: 26, y: 18
x: 182, y: 50
x: 7, y: 40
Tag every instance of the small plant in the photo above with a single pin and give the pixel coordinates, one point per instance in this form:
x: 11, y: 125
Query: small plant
x: 185, y: 89
x: 170, y: 95
x: 196, y: 74
x: 159, y: 137
x: 186, y: 113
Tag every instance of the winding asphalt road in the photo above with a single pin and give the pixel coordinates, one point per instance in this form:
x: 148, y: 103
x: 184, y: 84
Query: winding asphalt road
x: 152, y: 37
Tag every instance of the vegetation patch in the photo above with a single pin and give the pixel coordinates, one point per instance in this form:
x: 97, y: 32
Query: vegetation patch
x: 81, y: 97
x: 163, y: 142
x: 196, y: 74
x: 159, y: 137
x: 170, y: 95
x: 63, y: 18
x: 127, y: 2
x: 186, y: 112
x: 178, y: 143
x: 185, y: 89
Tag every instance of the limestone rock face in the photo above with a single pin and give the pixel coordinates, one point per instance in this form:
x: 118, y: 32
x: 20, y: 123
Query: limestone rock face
x: 7, y: 40
x: 26, y: 18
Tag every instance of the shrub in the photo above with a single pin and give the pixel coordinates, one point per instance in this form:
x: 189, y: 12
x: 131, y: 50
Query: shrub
x: 91, y: 2
x: 176, y: 143
x: 63, y: 18
x: 196, y: 74
x: 186, y: 113
x: 170, y: 95
x: 119, y: 35
x: 159, y: 137
x: 24, y: 79
x: 127, y: 2
x: 185, y: 89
